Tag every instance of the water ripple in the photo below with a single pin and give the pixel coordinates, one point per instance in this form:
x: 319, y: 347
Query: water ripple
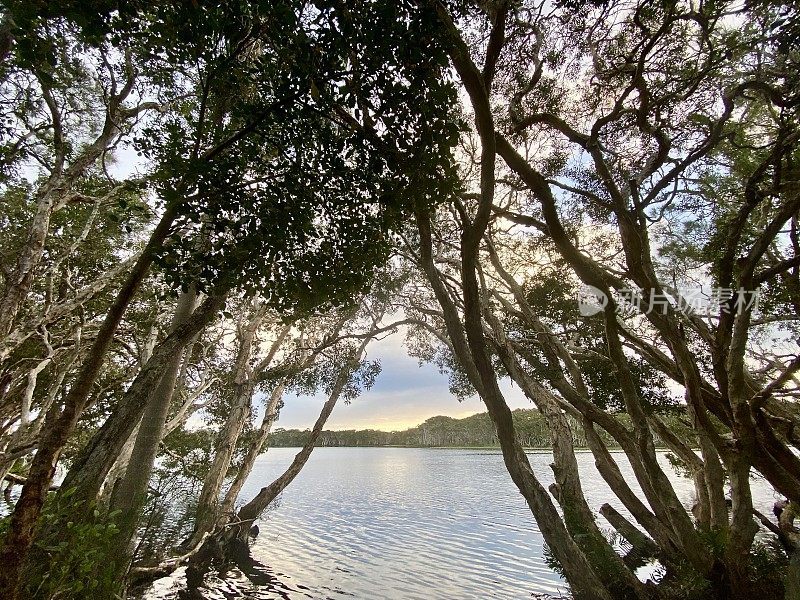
x: 402, y: 524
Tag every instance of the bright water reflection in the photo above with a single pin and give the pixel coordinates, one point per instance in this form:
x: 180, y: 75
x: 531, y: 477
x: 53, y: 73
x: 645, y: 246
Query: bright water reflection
x: 403, y: 524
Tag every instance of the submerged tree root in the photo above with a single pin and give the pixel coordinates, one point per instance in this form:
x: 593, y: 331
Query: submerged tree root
x: 142, y: 575
x: 228, y: 546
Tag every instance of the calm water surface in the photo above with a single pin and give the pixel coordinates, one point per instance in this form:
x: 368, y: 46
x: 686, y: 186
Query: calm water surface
x: 405, y: 524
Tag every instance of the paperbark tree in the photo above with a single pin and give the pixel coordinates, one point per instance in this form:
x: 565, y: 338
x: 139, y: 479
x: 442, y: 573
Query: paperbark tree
x: 467, y: 336
x: 226, y: 506
x: 599, y: 175
x: 263, y: 184
x: 243, y: 388
x: 255, y: 507
x: 131, y: 492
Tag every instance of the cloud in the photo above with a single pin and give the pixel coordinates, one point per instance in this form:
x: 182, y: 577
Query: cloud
x: 405, y: 394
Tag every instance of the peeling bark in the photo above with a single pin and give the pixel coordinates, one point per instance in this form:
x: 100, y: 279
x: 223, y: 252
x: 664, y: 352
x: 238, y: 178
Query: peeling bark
x: 253, y: 509
x: 232, y: 493
x: 243, y: 388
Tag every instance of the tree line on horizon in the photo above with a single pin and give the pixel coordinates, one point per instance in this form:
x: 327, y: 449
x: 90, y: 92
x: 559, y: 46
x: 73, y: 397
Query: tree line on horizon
x: 209, y: 208
x: 442, y: 431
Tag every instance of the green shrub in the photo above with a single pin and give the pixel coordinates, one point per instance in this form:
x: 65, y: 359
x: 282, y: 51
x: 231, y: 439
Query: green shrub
x: 73, y: 555
x: 768, y: 567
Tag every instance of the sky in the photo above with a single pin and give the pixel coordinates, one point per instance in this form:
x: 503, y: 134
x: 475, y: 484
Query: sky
x: 404, y: 395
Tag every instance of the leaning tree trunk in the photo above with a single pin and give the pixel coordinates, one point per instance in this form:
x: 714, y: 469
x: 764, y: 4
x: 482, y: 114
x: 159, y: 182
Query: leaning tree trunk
x: 578, y: 517
x: 243, y: 389
x: 60, y: 424
x: 471, y: 351
x: 253, y: 509
x: 120, y: 465
x: 270, y: 414
x: 567, y: 489
x: 467, y: 338
x: 117, y: 471
x: 22, y: 275
x: 90, y: 469
x: 130, y: 495
x: 230, y: 539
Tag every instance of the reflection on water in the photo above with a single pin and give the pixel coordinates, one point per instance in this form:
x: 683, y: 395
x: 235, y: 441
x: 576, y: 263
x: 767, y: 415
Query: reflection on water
x: 403, y: 524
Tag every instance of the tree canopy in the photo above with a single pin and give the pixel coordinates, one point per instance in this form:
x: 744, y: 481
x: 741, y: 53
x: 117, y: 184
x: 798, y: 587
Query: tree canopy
x: 207, y: 205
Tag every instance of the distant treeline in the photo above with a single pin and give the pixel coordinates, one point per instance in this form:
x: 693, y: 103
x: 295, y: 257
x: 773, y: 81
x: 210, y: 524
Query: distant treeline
x: 440, y: 431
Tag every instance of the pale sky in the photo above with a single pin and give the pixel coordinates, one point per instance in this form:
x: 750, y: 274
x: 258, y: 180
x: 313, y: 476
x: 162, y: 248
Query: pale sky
x: 403, y: 396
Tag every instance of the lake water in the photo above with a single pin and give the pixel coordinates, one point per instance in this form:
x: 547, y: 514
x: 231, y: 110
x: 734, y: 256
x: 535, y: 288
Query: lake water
x: 406, y: 524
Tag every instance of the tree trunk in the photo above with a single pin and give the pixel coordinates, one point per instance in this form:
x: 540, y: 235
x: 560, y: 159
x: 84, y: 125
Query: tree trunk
x: 117, y: 471
x: 243, y: 388
x: 21, y: 277
x: 25, y: 426
x: 130, y: 495
x: 567, y: 490
x: 473, y: 356
x: 270, y: 414
x: 735, y: 582
x: 90, y: 469
x: 223, y: 453
x: 253, y: 509
x: 713, y: 475
x: 642, y: 547
x: 59, y: 425
x: 231, y: 541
